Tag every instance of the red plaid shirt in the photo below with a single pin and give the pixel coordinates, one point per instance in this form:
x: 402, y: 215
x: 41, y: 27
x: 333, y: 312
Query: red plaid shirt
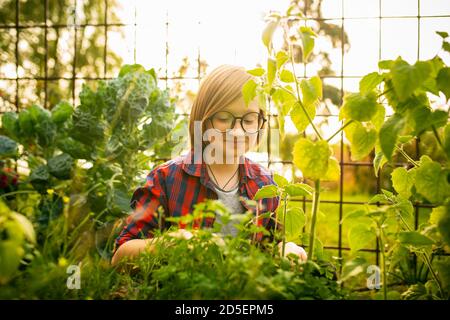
x: 178, y: 184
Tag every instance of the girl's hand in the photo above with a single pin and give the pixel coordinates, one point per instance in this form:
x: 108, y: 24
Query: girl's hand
x: 181, y: 234
x: 291, y: 247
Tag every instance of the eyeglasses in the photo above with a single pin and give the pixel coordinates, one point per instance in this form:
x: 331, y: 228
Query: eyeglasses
x: 223, y: 121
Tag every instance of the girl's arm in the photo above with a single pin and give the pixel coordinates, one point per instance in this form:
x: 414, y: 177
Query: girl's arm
x: 132, y: 248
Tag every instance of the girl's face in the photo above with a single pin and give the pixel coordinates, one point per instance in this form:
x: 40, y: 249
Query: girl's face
x: 230, y: 142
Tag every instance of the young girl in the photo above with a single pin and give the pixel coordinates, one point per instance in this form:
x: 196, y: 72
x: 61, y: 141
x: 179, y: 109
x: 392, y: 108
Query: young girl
x: 222, y: 129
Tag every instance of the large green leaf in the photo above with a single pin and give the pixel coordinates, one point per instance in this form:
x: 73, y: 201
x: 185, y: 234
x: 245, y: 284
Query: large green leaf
x: 307, y: 35
x: 311, y: 90
x: 268, y: 33
x: 369, y: 82
x: 62, y: 112
x: 282, y: 57
x: 280, y: 180
x: 10, y: 256
x: 312, y: 157
x: 298, y: 189
x: 414, y: 238
x: 268, y: 191
x: 360, y: 107
x: 431, y: 181
x: 334, y: 170
x: 60, y: 166
x: 299, y: 117
x: 360, y: 236
x: 10, y: 123
x: 287, y: 76
x: 389, y: 133
x: 249, y: 91
x: 403, y: 181
x: 8, y: 147
x: 406, y: 78
x: 362, y: 140
x: 271, y: 71
x: 295, y: 220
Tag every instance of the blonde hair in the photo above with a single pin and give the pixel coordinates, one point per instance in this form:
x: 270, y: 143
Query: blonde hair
x: 219, y: 88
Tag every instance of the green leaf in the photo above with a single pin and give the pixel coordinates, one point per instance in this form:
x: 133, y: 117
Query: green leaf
x: 128, y: 68
x: 442, y: 34
x: 403, y: 209
x: 298, y: 189
x: 62, y: 112
x: 295, y: 220
x: 359, y: 237
x: 311, y: 90
x: 414, y: 238
x: 299, y: 117
x: 281, y: 58
x: 360, y: 107
x: 389, y: 133
x: 8, y: 147
x: 268, y: 191
x: 10, y: 123
x: 406, y: 78
x: 280, y: 180
x: 286, y: 76
x: 443, y: 81
x: 362, y: 139
x: 403, y: 181
x: 307, y: 36
x: 354, y: 215
x: 10, y: 256
x: 431, y: 181
x: 271, y: 71
x: 369, y: 82
x: 268, y: 33
x: 249, y: 91
x: 312, y: 157
x: 26, y: 124
x: 378, y: 161
x: 257, y: 72
x: 378, y: 118
x: 61, y: 166
x: 334, y: 170
x: 26, y: 226
x: 446, y: 46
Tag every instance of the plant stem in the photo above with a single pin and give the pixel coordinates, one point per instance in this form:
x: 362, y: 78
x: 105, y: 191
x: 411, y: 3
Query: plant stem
x: 315, y: 210
x: 438, y: 139
x: 383, y: 263
x: 427, y: 261
x: 407, y: 157
x: 284, y: 225
x: 339, y: 130
x: 17, y: 192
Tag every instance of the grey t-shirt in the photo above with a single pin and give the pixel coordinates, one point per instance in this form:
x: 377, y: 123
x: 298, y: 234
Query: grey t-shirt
x: 231, y: 201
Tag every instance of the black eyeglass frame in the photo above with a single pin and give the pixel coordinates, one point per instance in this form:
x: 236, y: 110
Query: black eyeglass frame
x: 264, y: 120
